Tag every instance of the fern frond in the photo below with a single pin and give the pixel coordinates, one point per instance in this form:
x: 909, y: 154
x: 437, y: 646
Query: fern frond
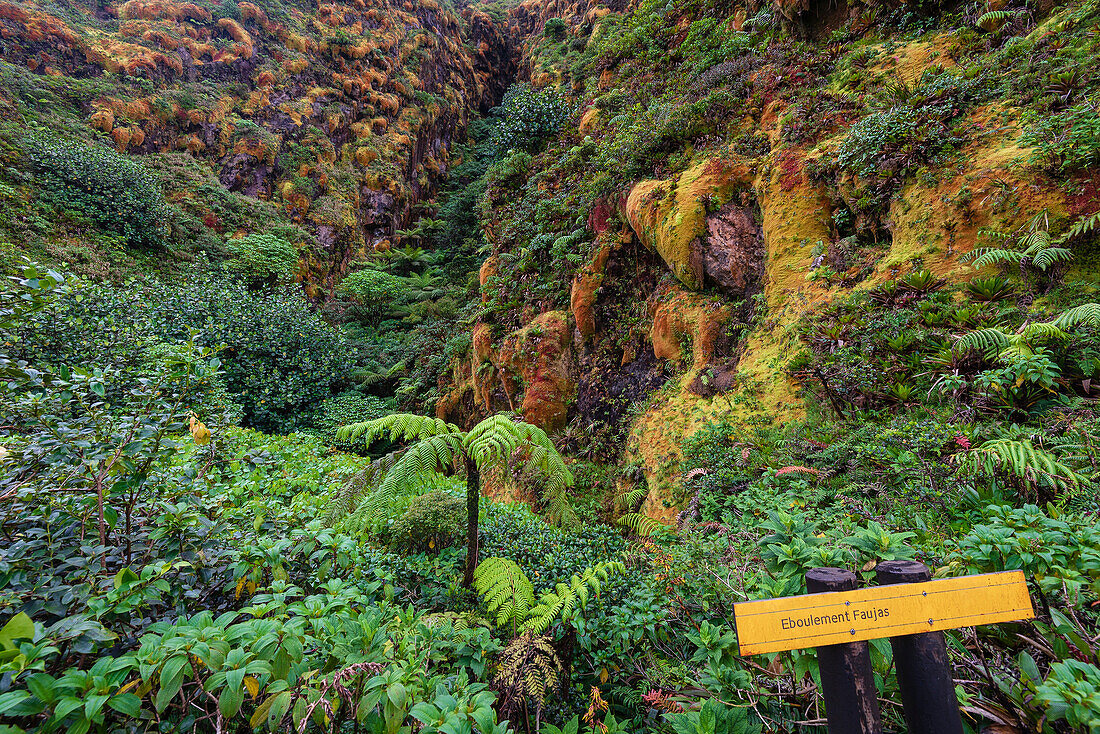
x: 639, y: 524
x: 507, y: 590
x: 566, y: 600
x: 348, y: 497
x: 398, y: 427
x: 1086, y: 313
x: 997, y: 256
x: 1050, y: 256
x: 632, y: 499
x: 528, y: 670
x: 1019, y: 458
x: 1084, y: 225
x: 993, y: 20
x: 425, y: 457
x: 988, y: 341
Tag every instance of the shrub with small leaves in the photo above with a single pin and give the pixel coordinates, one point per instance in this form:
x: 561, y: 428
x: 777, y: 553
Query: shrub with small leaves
x: 94, y: 181
x: 432, y: 521
x: 261, y: 258
x: 527, y: 117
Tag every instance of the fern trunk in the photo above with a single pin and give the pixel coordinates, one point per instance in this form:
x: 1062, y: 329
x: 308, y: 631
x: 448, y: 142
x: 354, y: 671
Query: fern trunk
x: 473, y: 494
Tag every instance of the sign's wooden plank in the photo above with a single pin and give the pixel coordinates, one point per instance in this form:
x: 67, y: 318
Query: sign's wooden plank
x: 812, y: 620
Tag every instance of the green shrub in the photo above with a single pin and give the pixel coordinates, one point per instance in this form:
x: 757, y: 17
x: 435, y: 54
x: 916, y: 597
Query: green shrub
x: 432, y: 521
x: 1072, y: 692
x: 526, y: 118
x: 554, y: 29
x: 261, y: 258
x: 94, y: 181
x: 373, y: 290
x: 1068, y: 140
x: 347, y: 408
x: 281, y: 359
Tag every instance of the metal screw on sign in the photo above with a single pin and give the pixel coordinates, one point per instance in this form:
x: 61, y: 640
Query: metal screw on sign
x: 847, y: 680
x: 923, y: 667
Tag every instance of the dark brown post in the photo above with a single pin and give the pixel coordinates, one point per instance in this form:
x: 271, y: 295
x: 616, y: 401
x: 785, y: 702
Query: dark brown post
x: 847, y: 681
x: 924, y: 670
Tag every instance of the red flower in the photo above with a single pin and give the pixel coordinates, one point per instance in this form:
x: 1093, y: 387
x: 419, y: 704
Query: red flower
x: 962, y: 441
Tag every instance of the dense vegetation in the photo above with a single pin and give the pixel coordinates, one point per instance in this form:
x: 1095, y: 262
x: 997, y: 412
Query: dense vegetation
x: 446, y: 367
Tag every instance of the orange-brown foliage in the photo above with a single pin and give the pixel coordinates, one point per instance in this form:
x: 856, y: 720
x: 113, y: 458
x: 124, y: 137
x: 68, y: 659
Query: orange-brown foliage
x: 137, y: 136
x: 14, y: 13
x: 238, y: 34
x: 390, y: 103
x: 265, y: 79
x: 137, y: 109
x: 161, y: 38
x: 366, y: 156
x: 103, y: 120
x: 121, y: 136
x: 172, y: 62
x: 251, y: 12
x: 296, y: 66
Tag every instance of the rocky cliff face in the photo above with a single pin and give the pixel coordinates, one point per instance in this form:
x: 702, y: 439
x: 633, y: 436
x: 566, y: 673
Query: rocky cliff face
x: 752, y: 210
x: 342, y: 114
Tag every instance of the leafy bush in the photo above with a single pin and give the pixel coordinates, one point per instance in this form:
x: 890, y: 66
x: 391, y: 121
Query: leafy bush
x: 281, y: 359
x: 345, y: 409
x: 1072, y: 693
x: 96, y: 182
x: 432, y: 521
x: 527, y: 117
x: 547, y: 554
x: 891, y: 143
x: 554, y: 29
x: 261, y: 258
x: 374, y: 292
x: 1051, y: 551
x: 1068, y: 140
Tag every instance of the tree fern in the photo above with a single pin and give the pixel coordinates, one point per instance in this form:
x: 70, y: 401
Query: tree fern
x: 499, y: 438
x: 442, y: 448
x: 507, y: 590
x: 567, y: 599
x: 1018, y: 458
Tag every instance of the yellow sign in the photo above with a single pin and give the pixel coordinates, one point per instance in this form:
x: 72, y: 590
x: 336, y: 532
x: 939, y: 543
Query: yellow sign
x: 812, y: 620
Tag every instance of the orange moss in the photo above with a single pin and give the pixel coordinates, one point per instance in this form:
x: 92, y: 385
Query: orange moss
x: 103, y: 120
x: 162, y: 39
x: 121, y: 136
x: 194, y: 144
x: 296, y: 66
x: 302, y: 44
x: 582, y: 295
x: 390, y: 103
x: 238, y: 34
x: 670, y: 216
x: 366, y: 156
x: 251, y: 12
x: 265, y: 78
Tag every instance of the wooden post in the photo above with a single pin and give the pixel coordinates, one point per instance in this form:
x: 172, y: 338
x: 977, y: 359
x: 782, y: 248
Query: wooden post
x: 847, y: 681
x: 923, y: 667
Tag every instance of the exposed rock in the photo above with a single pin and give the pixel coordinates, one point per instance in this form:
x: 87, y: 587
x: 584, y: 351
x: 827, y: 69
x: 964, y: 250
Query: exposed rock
x: 671, y: 217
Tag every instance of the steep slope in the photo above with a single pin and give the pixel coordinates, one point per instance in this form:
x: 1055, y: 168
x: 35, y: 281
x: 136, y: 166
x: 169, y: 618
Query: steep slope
x: 733, y: 170
x: 342, y: 116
